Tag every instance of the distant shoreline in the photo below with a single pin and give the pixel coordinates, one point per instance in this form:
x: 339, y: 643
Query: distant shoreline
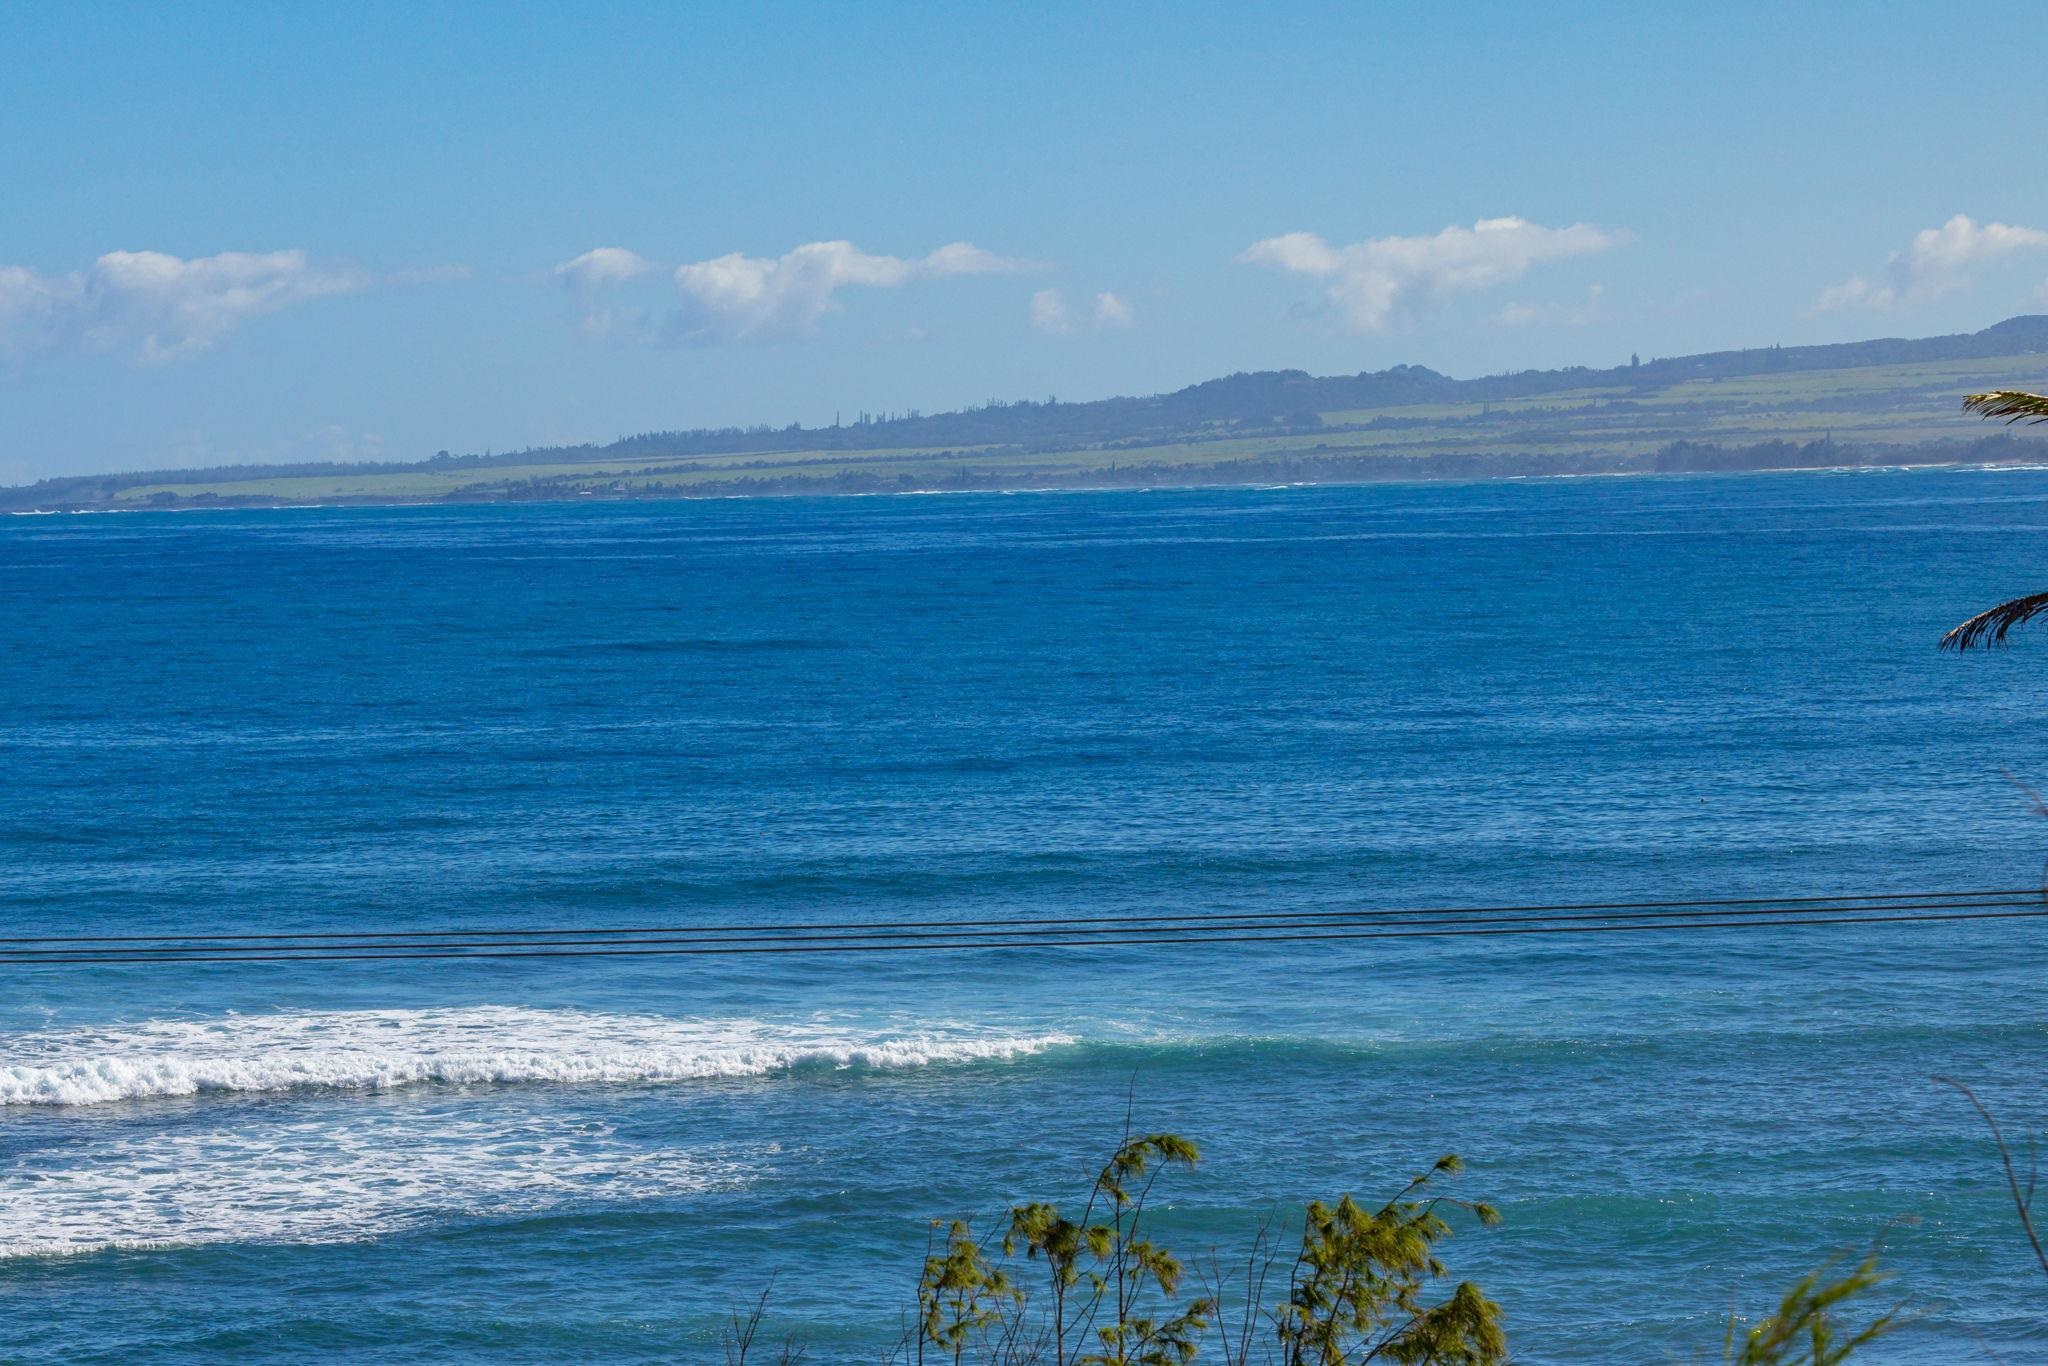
x: 2037, y: 465
x: 1850, y: 405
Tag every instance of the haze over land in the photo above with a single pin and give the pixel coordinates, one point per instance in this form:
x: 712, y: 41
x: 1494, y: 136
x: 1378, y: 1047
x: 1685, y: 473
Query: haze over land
x: 1885, y: 402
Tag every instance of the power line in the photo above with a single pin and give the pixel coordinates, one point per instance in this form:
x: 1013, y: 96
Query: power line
x: 1844, y: 901
x: 767, y: 941
x: 178, y: 948
x: 656, y: 951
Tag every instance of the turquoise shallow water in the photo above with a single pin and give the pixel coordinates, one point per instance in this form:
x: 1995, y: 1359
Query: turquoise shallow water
x: 1032, y: 705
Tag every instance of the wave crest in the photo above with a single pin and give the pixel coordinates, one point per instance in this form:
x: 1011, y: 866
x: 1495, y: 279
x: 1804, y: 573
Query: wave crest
x: 347, y: 1051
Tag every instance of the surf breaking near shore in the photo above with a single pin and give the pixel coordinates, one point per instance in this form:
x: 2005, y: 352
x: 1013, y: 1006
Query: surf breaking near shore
x: 381, y: 1050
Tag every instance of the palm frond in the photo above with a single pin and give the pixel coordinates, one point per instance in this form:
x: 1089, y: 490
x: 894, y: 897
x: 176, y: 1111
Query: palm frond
x: 2014, y: 405
x: 1989, y: 628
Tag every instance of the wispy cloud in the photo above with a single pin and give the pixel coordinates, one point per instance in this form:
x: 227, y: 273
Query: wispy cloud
x: 1937, y: 261
x: 157, y: 306
x: 1375, y: 283
x: 603, y: 266
x: 1589, y: 310
x: 1049, y: 312
x: 741, y: 298
x: 590, y: 276
x: 1110, y: 311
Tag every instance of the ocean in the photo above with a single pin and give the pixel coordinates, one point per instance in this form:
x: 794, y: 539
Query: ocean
x: 1030, y: 705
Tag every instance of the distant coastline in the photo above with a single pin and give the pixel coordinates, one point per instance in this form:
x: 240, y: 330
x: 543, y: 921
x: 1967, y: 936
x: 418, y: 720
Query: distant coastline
x: 2035, y: 460
x: 1889, y: 403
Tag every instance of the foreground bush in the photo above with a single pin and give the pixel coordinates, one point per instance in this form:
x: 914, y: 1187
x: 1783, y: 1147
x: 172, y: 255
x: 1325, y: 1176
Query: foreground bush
x: 1336, y: 1284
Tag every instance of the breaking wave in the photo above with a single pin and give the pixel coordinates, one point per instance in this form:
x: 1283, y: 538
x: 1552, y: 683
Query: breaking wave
x: 378, y: 1050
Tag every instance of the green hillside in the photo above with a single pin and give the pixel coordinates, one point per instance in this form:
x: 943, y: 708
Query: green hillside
x: 1880, y: 402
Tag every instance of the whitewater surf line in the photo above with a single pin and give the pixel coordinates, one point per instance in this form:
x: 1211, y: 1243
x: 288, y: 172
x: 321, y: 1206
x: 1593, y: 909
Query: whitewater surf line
x: 381, y: 1050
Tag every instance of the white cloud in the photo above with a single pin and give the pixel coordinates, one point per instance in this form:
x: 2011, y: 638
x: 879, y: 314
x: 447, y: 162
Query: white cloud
x: 1049, y: 312
x: 756, y: 298
x: 1374, y: 283
x: 1936, y: 262
x: 157, y: 306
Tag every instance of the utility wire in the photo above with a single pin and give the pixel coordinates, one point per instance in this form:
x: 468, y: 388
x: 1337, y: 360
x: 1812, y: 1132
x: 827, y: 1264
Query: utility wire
x: 1875, y: 901
x: 995, y: 936
x: 768, y: 945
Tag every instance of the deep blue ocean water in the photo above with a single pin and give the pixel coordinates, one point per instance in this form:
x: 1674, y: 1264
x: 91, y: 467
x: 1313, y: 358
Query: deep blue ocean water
x: 1030, y: 705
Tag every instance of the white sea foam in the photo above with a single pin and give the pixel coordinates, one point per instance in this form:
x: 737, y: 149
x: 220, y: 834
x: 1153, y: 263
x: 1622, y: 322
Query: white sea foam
x: 345, y: 1051
x: 333, y: 1160
x: 361, y: 1173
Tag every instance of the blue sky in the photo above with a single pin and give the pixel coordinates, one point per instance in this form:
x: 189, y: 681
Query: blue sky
x: 261, y: 232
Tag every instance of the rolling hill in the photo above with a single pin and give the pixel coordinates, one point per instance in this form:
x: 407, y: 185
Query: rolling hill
x: 1884, y: 402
